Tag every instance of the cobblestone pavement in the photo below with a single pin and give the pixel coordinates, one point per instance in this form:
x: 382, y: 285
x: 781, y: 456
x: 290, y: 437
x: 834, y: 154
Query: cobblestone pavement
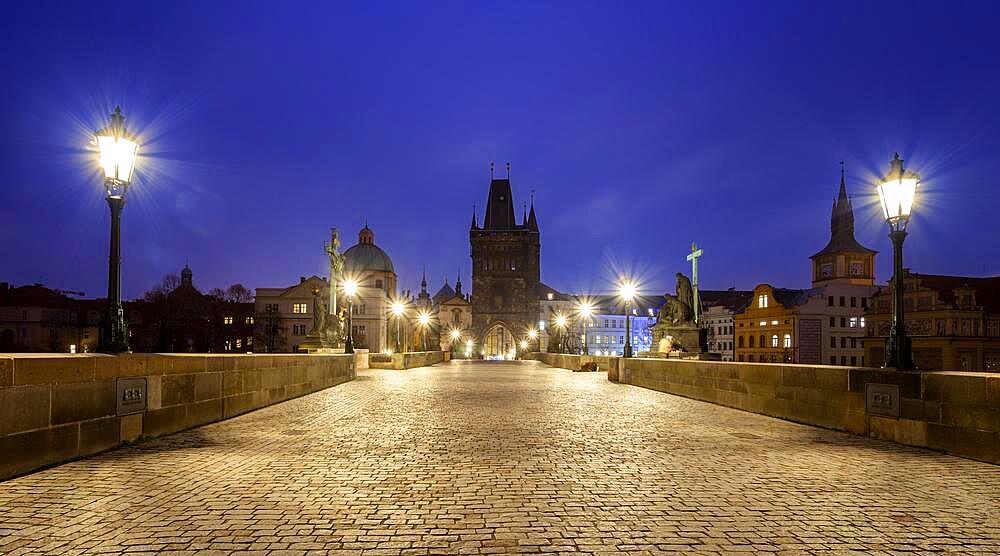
x: 504, y: 457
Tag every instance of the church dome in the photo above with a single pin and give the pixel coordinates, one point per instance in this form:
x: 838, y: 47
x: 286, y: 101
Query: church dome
x: 366, y: 256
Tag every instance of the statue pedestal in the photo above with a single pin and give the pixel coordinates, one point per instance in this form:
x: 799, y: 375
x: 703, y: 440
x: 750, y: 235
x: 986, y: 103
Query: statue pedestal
x: 687, y: 338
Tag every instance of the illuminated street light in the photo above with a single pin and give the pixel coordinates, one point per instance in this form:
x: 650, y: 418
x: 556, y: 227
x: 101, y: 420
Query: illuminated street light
x: 350, y: 288
x: 118, y: 151
x: 896, y: 192
x: 424, y: 318
x: 561, y: 325
x: 398, y: 310
x: 585, y: 310
x: 627, y: 290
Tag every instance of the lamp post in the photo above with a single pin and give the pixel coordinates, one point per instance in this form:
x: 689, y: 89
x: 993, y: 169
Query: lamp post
x: 896, y: 192
x: 585, y: 310
x: 424, y: 319
x: 561, y: 325
x: 398, y: 309
x: 118, y: 151
x: 533, y: 335
x: 350, y: 288
x: 627, y: 292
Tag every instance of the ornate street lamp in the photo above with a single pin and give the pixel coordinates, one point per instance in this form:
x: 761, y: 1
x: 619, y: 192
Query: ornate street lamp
x: 424, y: 319
x: 398, y: 310
x: 896, y: 192
x: 350, y: 288
x: 561, y: 325
x: 585, y: 310
x: 118, y: 152
x: 533, y: 335
x: 626, y: 290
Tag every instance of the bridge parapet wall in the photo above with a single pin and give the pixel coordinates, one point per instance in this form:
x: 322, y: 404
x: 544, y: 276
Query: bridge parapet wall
x: 955, y: 412
x: 409, y: 360
x: 58, y: 407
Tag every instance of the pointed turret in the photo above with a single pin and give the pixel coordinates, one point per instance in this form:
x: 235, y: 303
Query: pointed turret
x: 475, y: 225
x: 843, y: 257
x: 458, y: 284
x: 532, y: 221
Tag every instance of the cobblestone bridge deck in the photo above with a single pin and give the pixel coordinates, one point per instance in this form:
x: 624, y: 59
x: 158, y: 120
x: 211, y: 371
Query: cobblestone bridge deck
x: 504, y: 457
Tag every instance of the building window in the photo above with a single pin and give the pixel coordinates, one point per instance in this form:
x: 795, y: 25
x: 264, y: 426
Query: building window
x: 833, y: 322
x: 864, y: 302
x: 299, y: 329
x: 378, y: 284
x: 300, y: 308
x: 227, y: 320
x: 843, y: 360
x: 762, y: 301
x: 774, y: 323
x: 751, y: 341
x: 833, y: 341
x: 249, y: 320
x: 750, y: 358
x: 239, y: 343
x: 763, y: 323
x: 862, y: 321
x: 741, y: 341
x: 229, y: 345
x: 854, y: 322
x: 854, y: 301
x: 843, y: 341
x: 841, y: 301
x: 829, y: 301
x: 833, y: 359
x: 787, y: 342
x: 761, y: 340
x: 854, y: 342
x: 774, y: 341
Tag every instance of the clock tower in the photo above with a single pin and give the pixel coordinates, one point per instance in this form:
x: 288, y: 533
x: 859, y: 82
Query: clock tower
x: 843, y: 260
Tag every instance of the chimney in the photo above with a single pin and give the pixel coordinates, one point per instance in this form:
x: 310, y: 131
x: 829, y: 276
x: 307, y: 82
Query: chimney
x: 302, y: 279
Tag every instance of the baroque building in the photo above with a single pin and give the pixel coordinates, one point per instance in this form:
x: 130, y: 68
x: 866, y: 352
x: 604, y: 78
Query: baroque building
x: 820, y: 325
x: 505, y: 272
x: 953, y: 322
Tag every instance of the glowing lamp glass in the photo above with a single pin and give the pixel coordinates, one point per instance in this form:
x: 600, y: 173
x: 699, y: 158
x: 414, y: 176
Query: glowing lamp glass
x: 896, y: 196
x: 627, y: 291
x: 397, y: 309
x: 455, y: 334
x: 350, y: 288
x: 424, y: 318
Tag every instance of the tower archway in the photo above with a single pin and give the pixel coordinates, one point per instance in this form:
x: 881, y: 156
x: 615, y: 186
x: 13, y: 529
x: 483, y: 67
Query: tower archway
x: 499, y: 343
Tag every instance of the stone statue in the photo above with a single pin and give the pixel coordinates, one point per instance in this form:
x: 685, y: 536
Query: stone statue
x: 675, y: 328
x: 319, y: 313
x: 333, y: 327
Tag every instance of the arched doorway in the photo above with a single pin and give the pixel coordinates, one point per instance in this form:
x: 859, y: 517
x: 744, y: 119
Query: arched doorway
x: 498, y: 343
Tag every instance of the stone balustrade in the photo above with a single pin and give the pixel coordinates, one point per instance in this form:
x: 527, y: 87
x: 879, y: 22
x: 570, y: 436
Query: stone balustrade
x: 410, y: 360
x: 58, y: 407
x: 955, y: 412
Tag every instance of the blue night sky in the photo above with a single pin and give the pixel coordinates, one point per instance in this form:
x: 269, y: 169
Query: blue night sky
x: 640, y: 126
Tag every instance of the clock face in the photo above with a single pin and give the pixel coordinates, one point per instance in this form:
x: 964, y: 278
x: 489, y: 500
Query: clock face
x: 826, y: 270
x: 857, y: 269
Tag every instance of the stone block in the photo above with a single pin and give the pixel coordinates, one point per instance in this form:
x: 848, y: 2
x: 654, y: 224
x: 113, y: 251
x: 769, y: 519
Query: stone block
x: 798, y: 376
x: 910, y: 432
x: 154, y: 392
x: 993, y: 391
x: 238, y: 404
x: 245, y: 362
x: 954, y: 388
x: 275, y: 395
x: 856, y: 422
x: 184, y: 364
x: 251, y: 381
x: 759, y: 375
x: 980, y: 418
x: 54, y: 370
x: 137, y: 364
x: 177, y: 389
x: 167, y: 420
x: 108, y: 367
x: 908, y: 381
x: 6, y: 371
x: 881, y: 427
x: 23, y: 408
x: 26, y: 451
x: 82, y: 401
x: 981, y: 445
x: 218, y: 363
x: 99, y: 435
x: 207, y: 386
x: 232, y: 383
x: 131, y: 427
x: 205, y: 412
x: 833, y: 378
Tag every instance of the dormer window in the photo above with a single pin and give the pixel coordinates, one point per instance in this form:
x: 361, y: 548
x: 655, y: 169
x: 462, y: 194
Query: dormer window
x: 762, y: 301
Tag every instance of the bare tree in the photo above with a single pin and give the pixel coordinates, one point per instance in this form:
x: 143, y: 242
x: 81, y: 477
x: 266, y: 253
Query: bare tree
x: 239, y: 293
x: 159, y: 292
x: 217, y: 293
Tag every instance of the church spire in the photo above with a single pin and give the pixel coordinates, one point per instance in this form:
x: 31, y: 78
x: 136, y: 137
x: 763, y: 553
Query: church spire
x: 458, y: 283
x: 532, y: 221
x: 474, y: 223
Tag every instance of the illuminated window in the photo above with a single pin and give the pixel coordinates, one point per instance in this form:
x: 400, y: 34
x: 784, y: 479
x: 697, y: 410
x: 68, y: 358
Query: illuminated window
x: 763, y: 323
x: 862, y: 322
x: 787, y: 341
x: 299, y: 308
x: 227, y: 320
x: 854, y: 322
x: 249, y: 320
x: 239, y: 343
x: 762, y: 301
x: 774, y: 322
x: 774, y: 341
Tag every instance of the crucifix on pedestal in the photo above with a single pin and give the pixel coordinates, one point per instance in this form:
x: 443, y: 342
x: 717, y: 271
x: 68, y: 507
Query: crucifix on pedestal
x: 693, y: 257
